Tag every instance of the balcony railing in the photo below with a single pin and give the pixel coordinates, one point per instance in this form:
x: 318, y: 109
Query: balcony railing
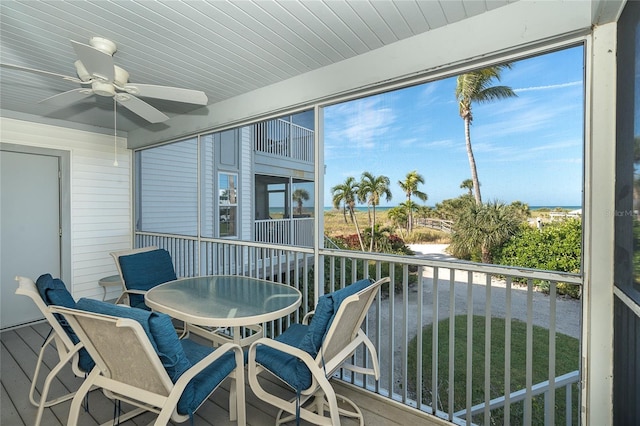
x: 426, y: 292
x: 284, y: 139
x: 295, y: 231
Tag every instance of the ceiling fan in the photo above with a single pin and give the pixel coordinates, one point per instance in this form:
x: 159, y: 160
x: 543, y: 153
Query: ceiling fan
x: 98, y: 75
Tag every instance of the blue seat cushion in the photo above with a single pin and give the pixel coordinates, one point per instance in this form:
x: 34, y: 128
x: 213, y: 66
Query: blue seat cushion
x: 54, y: 292
x: 205, y: 382
x: 287, y: 367
x: 307, y: 338
x: 177, y: 355
x: 145, y: 270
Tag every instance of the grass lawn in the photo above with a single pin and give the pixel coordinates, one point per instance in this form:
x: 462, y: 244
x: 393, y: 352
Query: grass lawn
x: 567, y: 360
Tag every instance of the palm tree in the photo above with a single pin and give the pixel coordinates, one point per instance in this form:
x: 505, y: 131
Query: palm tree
x: 468, y: 185
x: 372, y: 189
x: 346, y: 194
x: 483, y: 227
x: 475, y: 86
x: 299, y: 196
x: 410, y: 187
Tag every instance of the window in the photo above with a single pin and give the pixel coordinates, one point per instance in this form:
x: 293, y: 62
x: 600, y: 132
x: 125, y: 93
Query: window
x: 228, y: 203
x: 527, y: 148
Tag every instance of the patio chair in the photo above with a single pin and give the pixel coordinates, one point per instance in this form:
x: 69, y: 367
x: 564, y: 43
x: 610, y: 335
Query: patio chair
x: 44, y: 292
x: 140, y: 270
x: 305, y: 356
x: 140, y: 360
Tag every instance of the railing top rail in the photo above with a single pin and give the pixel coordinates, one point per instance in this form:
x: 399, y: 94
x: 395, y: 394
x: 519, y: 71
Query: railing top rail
x: 462, y: 265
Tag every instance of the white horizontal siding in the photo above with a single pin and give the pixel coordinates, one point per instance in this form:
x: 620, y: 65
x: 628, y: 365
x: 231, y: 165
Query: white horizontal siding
x: 100, y: 197
x: 169, y: 193
x: 246, y: 183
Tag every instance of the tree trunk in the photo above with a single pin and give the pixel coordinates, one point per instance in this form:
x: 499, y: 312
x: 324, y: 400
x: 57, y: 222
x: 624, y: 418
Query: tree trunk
x: 373, y: 227
x: 410, y: 227
x: 355, y: 221
x: 472, y: 162
x: 486, y: 254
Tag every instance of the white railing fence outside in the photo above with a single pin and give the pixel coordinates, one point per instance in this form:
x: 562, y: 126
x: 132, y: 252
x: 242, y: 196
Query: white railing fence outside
x: 284, y: 139
x: 426, y: 292
x: 295, y: 231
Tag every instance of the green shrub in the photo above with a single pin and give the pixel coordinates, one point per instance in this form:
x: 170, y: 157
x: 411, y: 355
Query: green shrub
x: 556, y: 247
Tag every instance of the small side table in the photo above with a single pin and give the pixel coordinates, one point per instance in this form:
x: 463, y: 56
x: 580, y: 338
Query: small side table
x: 113, y: 280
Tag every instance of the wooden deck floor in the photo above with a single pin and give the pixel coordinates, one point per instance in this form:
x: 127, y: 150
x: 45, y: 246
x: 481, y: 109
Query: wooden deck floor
x: 20, y: 348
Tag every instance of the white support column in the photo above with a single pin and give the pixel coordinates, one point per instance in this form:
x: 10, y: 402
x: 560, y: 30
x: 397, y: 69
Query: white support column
x: 597, y: 334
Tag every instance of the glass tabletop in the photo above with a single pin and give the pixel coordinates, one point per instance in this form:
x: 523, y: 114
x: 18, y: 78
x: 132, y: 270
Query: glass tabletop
x: 224, y: 300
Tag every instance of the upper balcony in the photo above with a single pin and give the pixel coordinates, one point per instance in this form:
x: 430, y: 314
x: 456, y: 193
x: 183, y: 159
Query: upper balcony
x: 283, y: 139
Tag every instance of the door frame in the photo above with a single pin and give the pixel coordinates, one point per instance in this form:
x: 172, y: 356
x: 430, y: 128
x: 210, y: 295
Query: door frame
x: 64, y: 182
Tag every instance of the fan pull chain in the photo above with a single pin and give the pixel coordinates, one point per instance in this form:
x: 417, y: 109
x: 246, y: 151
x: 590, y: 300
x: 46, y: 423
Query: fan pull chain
x: 115, y: 134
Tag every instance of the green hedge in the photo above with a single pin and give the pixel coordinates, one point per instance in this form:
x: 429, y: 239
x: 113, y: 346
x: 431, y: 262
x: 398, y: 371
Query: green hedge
x: 555, y: 247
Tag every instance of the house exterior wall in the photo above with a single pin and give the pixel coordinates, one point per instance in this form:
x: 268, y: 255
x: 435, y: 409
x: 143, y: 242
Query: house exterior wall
x: 100, y: 197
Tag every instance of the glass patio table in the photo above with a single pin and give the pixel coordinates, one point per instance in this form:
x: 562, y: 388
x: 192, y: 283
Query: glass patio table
x: 224, y: 308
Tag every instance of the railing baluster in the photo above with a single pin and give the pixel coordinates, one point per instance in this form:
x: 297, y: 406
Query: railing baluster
x: 487, y: 350
x: 434, y: 343
x: 469, y: 345
x: 550, y: 399
x: 529, y: 355
x: 452, y: 339
x: 507, y: 351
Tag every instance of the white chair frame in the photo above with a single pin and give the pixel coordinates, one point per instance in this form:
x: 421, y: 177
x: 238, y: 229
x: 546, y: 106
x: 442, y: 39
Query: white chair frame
x: 341, y: 341
x: 66, y: 349
x: 150, y: 388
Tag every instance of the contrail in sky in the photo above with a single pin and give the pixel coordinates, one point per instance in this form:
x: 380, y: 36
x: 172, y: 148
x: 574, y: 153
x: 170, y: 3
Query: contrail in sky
x: 552, y: 86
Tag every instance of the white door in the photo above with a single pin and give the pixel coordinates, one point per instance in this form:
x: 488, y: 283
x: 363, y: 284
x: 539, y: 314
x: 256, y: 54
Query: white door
x: 29, y: 228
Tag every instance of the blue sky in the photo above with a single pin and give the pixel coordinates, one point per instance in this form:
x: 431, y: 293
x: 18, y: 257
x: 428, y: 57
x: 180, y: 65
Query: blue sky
x: 528, y: 148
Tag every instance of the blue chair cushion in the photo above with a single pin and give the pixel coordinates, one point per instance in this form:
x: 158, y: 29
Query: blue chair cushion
x: 307, y: 338
x: 338, y: 296
x: 287, y: 367
x: 324, y: 314
x: 145, y: 270
x: 205, y: 382
x: 318, y: 326
x: 177, y: 355
x: 54, y: 292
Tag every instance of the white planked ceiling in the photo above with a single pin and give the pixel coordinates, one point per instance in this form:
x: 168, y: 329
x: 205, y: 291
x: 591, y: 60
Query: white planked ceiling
x: 224, y: 48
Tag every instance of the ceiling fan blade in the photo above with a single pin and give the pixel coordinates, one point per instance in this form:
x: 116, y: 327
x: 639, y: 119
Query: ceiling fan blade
x: 141, y: 108
x: 66, y: 98
x: 35, y: 71
x: 97, y: 63
x: 168, y: 93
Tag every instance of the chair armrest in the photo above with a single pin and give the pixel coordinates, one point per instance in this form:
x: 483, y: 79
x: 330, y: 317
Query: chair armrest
x: 133, y: 291
x: 306, y: 318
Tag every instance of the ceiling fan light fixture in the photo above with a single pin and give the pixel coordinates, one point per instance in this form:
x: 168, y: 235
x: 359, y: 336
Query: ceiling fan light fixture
x: 103, y: 89
x: 104, y: 45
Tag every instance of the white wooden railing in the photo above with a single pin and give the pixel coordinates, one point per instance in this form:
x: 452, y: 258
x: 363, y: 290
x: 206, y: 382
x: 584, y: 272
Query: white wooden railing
x: 423, y: 292
x: 296, y: 231
x: 284, y: 139
x: 439, y: 224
